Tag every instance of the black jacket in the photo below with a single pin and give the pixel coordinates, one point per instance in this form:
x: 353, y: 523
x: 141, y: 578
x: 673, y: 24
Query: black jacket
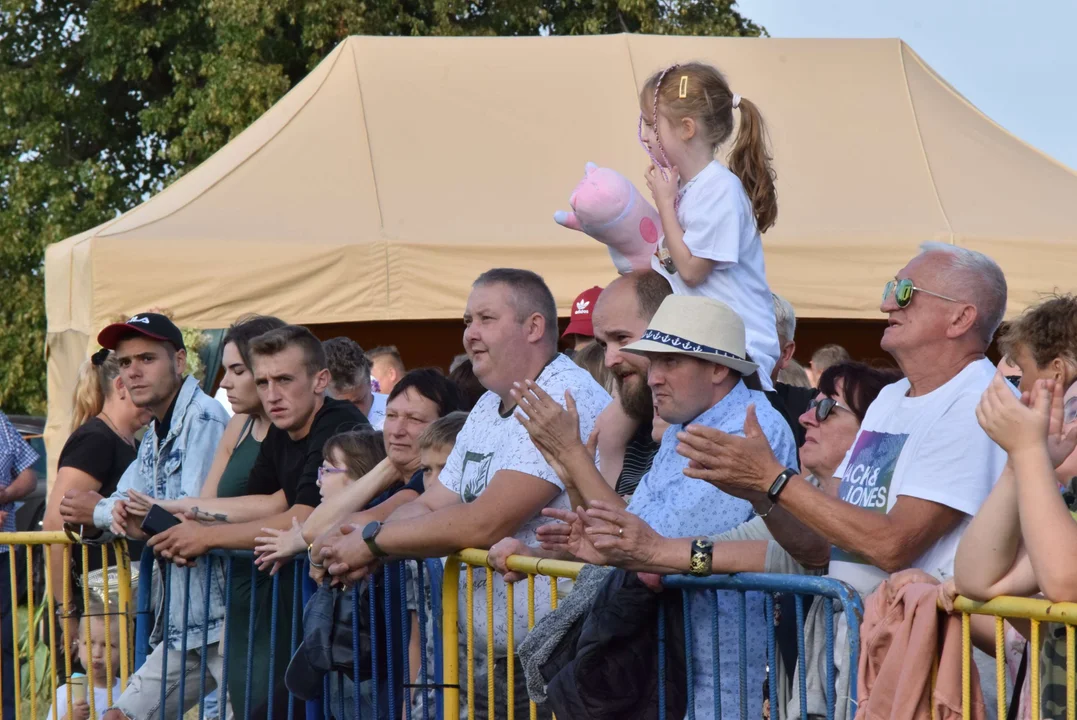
x: 607, y: 665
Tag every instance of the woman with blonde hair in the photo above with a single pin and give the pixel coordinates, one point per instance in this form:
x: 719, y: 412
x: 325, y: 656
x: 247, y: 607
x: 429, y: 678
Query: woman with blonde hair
x: 95, y: 456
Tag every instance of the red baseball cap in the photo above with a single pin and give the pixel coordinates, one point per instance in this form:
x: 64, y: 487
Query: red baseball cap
x: 580, y: 319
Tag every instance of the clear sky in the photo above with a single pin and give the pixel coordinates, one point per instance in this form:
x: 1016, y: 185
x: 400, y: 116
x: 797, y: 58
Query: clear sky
x: 1016, y: 61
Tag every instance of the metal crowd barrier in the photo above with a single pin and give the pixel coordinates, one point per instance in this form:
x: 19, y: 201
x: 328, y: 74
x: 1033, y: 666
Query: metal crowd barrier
x: 770, y: 586
x: 450, y: 604
x: 43, y: 611
x: 1037, y: 612
x: 773, y: 585
x: 390, y: 686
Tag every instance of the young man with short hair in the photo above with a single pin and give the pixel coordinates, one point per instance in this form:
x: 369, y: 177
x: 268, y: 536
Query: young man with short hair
x: 173, y: 461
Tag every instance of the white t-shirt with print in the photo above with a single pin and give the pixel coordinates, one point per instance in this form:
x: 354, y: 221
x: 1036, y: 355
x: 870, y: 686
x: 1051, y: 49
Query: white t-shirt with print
x: 490, y: 442
x: 929, y: 447
x: 719, y: 225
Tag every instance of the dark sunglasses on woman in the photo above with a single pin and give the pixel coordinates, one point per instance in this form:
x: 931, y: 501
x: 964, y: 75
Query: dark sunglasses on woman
x: 824, y: 407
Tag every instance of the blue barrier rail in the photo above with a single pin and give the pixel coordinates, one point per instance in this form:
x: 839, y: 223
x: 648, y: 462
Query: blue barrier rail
x: 772, y: 588
x: 384, y: 687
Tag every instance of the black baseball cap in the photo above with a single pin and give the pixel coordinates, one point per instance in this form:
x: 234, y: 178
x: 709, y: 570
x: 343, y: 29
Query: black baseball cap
x: 151, y: 325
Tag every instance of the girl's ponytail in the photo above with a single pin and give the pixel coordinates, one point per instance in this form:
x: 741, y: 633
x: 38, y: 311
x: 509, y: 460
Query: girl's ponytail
x: 93, y: 387
x: 750, y: 160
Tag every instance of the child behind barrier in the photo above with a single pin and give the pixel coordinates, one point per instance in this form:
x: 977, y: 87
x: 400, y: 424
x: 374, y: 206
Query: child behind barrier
x: 92, y: 657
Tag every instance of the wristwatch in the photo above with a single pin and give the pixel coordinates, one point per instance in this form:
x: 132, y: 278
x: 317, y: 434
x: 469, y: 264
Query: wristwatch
x: 370, y: 533
x: 779, y: 484
x: 702, y: 557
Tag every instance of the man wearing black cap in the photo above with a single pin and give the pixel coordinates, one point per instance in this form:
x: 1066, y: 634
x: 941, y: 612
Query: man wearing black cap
x: 173, y: 461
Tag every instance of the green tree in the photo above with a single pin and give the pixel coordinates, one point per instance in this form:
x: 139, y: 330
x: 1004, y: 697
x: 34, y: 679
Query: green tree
x: 103, y: 102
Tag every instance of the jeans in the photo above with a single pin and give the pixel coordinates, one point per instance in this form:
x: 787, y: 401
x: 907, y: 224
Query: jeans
x: 7, y: 645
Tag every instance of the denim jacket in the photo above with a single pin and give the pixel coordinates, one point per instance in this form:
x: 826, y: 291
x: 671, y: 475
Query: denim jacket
x: 172, y: 469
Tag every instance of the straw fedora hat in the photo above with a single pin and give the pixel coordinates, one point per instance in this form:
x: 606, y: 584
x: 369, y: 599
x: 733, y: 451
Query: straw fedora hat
x: 698, y: 326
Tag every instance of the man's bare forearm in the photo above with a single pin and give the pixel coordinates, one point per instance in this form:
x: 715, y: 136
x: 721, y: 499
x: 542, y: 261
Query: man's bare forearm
x: 586, y: 483
x: 241, y: 536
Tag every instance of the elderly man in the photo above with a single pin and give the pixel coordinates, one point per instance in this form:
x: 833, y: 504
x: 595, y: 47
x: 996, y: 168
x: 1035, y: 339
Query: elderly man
x: 920, y: 466
x: 495, y: 482
x: 696, y: 349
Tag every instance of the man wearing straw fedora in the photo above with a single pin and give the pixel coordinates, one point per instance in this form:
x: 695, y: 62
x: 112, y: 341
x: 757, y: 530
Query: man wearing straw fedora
x: 696, y: 348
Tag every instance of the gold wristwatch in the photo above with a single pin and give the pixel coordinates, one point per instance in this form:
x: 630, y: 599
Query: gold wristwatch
x: 702, y: 557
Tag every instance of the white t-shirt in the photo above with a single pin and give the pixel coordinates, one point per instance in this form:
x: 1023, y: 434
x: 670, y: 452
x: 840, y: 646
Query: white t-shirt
x: 929, y: 447
x: 376, y: 416
x: 100, y: 700
x: 719, y: 225
x: 490, y: 442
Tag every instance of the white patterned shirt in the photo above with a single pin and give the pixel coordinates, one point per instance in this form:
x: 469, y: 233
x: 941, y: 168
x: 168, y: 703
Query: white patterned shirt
x: 490, y: 442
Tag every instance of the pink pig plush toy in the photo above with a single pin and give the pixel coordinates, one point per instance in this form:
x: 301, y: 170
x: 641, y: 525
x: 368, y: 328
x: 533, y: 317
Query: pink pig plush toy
x: 609, y: 208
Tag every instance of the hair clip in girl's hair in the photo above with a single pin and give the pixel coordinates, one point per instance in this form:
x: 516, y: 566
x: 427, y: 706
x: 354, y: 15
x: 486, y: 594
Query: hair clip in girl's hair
x: 98, y: 358
x: 683, y: 90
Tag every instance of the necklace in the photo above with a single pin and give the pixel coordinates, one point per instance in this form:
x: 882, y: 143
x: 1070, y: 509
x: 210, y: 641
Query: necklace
x: 112, y: 426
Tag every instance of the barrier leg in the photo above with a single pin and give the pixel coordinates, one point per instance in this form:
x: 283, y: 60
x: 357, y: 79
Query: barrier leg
x: 50, y: 592
x: 274, y: 592
x: 165, y: 626
x: 183, y: 642
x: 247, y: 689
x: 661, y: 657
x: 688, y: 656
x: 372, y: 598
x: 450, y: 640
x: 802, y: 654
x: 716, y: 653
x: 357, y: 696
x: 123, y: 577
x: 206, y: 583
x: 31, y: 632
x: 90, y: 682
x: 227, y: 639
x: 106, y: 602
x: 67, y: 628
x: 831, y: 691
x: 299, y: 569
x: 772, y: 658
x: 14, y: 642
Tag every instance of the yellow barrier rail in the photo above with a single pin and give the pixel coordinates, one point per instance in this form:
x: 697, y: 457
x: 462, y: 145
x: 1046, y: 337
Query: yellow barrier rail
x: 450, y: 607
x: 47, y: 541
x: 1036, y: 612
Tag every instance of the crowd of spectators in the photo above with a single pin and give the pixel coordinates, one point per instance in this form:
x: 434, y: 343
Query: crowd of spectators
x: 656, y: 452
x: 667, y: 430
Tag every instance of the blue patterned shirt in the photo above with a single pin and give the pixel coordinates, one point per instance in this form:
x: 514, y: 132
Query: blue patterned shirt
x: 676, y: 505
x: 15, y: 456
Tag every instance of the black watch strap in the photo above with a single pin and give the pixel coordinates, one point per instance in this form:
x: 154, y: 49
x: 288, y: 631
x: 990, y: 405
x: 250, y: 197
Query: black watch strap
x: 779, y: 484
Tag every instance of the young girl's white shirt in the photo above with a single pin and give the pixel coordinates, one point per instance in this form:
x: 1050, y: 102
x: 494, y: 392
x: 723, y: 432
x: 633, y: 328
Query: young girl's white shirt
x: 100, y: 695
x: 719, y: 225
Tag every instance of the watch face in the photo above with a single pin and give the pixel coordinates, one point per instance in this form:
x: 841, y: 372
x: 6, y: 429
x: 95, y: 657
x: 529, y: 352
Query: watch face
x: 371, y: 530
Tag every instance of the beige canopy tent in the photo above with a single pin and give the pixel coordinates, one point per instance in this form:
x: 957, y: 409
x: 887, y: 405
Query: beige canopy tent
x: 400, y: 168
